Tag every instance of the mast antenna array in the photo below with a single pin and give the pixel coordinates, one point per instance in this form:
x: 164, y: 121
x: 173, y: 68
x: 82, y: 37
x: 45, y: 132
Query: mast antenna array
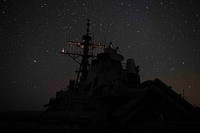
x: 84, y: 49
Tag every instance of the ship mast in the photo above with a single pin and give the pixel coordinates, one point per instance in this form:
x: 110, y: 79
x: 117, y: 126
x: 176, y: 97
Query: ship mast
x: 85, y: 47
x: 85, y: 62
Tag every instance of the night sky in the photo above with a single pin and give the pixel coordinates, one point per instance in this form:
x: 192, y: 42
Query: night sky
x: 163, y: 36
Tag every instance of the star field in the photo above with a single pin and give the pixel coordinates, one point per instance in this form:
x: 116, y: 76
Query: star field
x: 161, y: 35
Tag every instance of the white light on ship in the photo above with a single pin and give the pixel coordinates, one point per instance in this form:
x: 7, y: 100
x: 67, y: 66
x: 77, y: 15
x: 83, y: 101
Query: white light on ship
x: 63, y: 50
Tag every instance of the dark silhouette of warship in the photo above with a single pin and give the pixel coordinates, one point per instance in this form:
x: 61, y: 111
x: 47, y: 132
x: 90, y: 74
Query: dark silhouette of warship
x: 108, y: 96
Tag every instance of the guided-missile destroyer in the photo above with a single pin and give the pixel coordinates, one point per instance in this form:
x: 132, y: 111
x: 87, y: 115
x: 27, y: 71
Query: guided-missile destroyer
x: 108, y: 96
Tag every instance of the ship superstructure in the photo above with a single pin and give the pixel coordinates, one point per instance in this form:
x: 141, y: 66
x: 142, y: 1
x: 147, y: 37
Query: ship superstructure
x: 108, y: 96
